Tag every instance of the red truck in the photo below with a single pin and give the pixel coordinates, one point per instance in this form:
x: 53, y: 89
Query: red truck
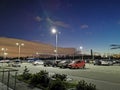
x: 77, y: 64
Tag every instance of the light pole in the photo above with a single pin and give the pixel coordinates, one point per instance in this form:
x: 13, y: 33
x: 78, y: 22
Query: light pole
x: 19, y: 47
x: 4, y: 52
x: 81, y: 48
x: 54, y: 31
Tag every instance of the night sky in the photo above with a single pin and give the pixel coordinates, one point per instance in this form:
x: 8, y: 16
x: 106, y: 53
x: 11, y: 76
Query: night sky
x: 92, y: 24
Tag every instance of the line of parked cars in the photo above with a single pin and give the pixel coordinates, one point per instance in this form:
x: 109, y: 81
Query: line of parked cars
x: 61, y: 63
x: 105, y: 62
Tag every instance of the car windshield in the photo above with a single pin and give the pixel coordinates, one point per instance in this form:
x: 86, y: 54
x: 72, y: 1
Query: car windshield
x: 63, y: 61
x: 73, y: 61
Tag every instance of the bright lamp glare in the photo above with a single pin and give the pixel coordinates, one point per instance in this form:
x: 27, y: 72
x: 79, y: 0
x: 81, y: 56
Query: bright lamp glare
x: 17, y: 43
x: 54, y: 31
x: 22, y: 44
x: 81, y: 47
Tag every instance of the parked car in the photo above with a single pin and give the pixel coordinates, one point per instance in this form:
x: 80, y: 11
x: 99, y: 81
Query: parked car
x: 117, y: 61
x: 103, y: 62
x: 16, y: 63
x: 4, y: 61
x: 30, y: 60
x: 48, y: 63
x: 106, y: 62
x: 77, y: 64
x: 38, y: 62
x: 97, y: 62
x: 64, y: 63
x: 56, y: 62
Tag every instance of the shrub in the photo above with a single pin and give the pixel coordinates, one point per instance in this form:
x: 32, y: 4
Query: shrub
x: 62, y: 77
x: 40, y: 78
x: 82, y: 85
x: 25, y: 76
x: 57, y: 85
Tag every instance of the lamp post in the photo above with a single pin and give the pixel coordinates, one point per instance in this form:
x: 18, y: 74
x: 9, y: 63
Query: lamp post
x: 81, y: 48
x: 54, y: 31
x: 4, y: 52
x: 38, y: 54
x: 19, y: 47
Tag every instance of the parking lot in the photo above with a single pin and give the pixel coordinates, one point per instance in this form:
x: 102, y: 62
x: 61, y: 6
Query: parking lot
x: 104, y: 77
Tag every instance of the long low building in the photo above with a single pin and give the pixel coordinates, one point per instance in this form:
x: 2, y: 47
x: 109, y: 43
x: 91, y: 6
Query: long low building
x: 10, y: 49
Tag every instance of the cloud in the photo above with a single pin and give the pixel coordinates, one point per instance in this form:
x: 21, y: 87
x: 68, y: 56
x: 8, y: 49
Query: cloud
x: 84, y: 26
x: 49, y: 20
x: 38, y: 19
x: 62, y: 24
x: 58, y: 23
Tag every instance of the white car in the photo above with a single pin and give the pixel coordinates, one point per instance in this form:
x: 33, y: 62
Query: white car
x: 38, y: 62
x: 16, y: 63
x: 106, y: 62
x: 4, y: 61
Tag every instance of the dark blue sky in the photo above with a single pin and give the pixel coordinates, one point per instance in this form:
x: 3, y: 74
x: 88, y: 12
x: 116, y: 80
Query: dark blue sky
x: 93, y: 24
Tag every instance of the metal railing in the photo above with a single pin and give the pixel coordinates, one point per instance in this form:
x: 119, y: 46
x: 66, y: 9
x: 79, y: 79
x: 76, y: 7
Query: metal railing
x: 8, y: 77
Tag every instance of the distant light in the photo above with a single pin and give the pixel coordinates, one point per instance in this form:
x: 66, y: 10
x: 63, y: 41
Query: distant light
x: 55, y: 50
x: 17, y: 43
x: 37, y: 53
x: 22, y: 44
x: 81, y: 47
x: 54, y: 31
x: 4, y: 49
x: 5, y: 54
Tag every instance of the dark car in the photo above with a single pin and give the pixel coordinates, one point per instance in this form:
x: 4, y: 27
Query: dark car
x: 97, y: 62
x: 48, y: 63
x: 64, y: 63
x: 118, y: 61
x: 56, y: 62
x: 53, y: 63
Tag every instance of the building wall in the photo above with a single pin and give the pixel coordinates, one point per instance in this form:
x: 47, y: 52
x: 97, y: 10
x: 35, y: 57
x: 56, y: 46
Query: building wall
x: 30, y: 48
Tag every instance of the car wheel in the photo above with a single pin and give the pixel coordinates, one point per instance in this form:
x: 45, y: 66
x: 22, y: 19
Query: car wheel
x: 70, y: 67
x: 83, y: 67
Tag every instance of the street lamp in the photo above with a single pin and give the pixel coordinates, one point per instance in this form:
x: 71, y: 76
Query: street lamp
x: 4, y: 52
x: 54, y: 31
x: 37, y: 55
x: 81, y: 48
x: 19, y: 47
